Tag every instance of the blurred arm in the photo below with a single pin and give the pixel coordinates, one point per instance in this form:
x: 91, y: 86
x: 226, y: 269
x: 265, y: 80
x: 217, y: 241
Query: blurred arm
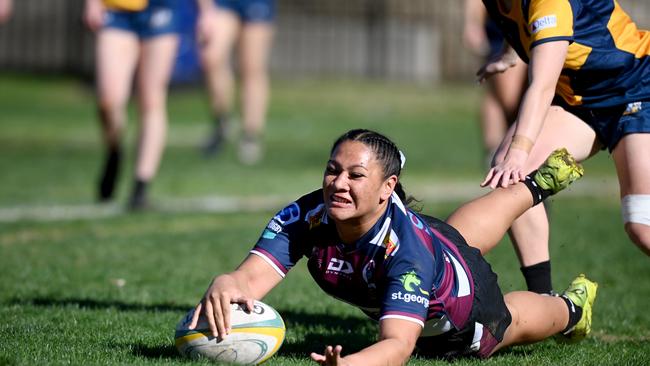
x: 546, y: 63
x: 93, y: 15
x: 6, y: 7
x: 474, y: 35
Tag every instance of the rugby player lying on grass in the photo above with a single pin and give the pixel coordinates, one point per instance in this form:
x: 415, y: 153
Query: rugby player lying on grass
x: 415, y: 274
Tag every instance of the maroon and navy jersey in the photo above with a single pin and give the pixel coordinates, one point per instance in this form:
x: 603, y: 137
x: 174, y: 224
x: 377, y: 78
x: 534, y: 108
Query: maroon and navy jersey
x: 400, y: 268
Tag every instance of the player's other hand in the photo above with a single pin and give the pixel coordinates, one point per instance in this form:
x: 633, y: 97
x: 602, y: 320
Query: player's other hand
x: 93, y: 15
x: 507, y: 172
x: 331, y: 357
x: 502, y: 62
x: 206, y: 25
x: 5, y: 10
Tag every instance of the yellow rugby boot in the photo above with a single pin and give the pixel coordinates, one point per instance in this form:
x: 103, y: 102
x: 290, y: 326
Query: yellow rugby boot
x: 558, y: 171
x: 582, y: 293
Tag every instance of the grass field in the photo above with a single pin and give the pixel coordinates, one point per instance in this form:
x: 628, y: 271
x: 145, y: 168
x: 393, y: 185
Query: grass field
x: 90, y: 284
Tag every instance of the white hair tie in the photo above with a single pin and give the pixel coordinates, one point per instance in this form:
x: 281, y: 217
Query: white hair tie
x: 402, y: 159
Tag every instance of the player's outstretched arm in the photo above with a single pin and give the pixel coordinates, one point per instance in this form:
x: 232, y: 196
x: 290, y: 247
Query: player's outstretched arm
x: 397, y: 341
x: 253, y: 279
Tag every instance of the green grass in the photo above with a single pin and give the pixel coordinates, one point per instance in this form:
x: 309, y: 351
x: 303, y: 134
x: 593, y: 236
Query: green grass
x: 60, y: 299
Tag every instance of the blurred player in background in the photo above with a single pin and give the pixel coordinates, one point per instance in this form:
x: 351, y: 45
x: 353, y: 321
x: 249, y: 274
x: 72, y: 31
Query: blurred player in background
x: 247, y: 24
x: 137, y: 40
x: 6, y: 7
x: 499, y: 108
x: 503, y: 91
x: 589, y: 90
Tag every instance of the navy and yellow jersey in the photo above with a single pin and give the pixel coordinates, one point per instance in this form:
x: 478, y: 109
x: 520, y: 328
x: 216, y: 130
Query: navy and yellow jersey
x: 608, y: 61
x: 401, y: 268
x: 126, y: 5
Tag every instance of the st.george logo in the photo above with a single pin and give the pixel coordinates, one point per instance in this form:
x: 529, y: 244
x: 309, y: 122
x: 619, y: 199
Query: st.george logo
x: 411, y: 282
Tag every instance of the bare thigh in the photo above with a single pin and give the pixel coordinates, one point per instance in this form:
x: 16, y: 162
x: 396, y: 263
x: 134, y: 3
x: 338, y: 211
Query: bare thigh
x: 561, y: 129
x: 117, y: 56
x: 217, y: 49
x: 255, y: 46
x: 156, y: 63
x: 508, y: 89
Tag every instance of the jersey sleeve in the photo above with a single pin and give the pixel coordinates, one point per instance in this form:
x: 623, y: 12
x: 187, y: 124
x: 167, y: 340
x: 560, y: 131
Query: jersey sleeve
x: 550, y: 20
x: 280, y: 242
x: 409, y: 282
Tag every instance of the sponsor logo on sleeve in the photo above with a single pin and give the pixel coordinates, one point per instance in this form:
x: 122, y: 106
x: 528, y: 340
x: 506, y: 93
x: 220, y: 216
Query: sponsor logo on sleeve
x: 288, y: 215
x: 268, y: 234
x: 548, y: 21
x: 411, y: 283
x: 272, y: 229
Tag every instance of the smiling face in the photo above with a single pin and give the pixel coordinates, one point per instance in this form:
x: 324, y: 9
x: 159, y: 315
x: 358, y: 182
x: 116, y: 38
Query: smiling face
x: 354, y: 187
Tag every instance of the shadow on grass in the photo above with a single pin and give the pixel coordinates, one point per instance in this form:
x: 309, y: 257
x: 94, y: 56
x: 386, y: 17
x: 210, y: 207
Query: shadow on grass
x: 167, y: 352
x: 100, y: 304
x: 354, y: 332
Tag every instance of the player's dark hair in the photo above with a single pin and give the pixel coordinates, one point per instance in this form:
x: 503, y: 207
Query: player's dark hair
x: 386, y: 152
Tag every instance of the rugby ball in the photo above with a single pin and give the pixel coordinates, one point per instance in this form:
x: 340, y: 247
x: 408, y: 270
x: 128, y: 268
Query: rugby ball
x: 254, y: 337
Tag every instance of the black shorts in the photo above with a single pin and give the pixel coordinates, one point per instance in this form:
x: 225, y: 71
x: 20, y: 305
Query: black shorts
x: 489, y: 317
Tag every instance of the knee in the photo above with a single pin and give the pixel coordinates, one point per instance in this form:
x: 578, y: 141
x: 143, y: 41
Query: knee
x: 253, y: 68
x: 640, y: 235
x: 213, y: 61
x: 110, y: 106
x: 153, y: 99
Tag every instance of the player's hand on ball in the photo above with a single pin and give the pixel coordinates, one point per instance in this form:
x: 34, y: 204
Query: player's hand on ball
x: 215, y: 305
x: 331, y: 357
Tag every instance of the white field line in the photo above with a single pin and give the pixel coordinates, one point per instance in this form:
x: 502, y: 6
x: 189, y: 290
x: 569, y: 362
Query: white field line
x: 440, y: 191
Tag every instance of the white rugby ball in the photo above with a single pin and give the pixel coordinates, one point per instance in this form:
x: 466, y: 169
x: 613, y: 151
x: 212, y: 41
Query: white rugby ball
x: 254, y: 337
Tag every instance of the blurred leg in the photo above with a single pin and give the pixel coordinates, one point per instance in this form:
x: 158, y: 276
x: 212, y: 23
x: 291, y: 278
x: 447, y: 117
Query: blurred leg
x: 216, y: 55
x: 158, y: 55
x: 117, y: 54
x: 493, y: 124
x: 633, y: 168
x: 508, y: 89
x: 256, y: 39
x: 254, y: 50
